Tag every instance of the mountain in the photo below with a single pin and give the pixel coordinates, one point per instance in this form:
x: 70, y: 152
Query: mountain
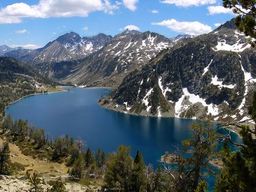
x: 18, y: 80
x: 126, y: 52
x: 67, y: 47
x: 182, y: 37
x: 5, y: 49
x: 210, y: 76
x: 70, y: 47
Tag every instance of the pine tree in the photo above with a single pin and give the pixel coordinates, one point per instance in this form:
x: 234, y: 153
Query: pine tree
x: 35, y: 182
x: 161, y: 182
x: 100, y: 158
x: 196, y: 156
x: 77, y: 170
x: 246, y: 19
x: 7, y: 123
x: 138, y: 178
x: 239, y: 169
x: 5, y: 160
x: 89, y: 158
x: 57, y: 186
x: 74, y: 155
x: 119, y: 170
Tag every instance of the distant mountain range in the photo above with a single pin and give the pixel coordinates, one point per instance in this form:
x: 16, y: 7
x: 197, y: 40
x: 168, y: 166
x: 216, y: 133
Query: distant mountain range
x: 210, y: 76
x: 65, y: 48
x: 126, y: 52
x: 98, y: 60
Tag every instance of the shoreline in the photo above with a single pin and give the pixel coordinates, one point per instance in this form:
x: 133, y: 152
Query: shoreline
x: 34, y: 94
x: 111, y: 108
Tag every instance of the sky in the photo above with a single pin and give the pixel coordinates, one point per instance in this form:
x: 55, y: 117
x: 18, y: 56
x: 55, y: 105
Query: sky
x: 33, y: 23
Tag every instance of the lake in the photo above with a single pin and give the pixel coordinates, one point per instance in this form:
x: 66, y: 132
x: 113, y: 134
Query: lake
x: 76, y: 113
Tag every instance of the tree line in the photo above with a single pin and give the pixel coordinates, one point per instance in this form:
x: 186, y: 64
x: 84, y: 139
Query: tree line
x: 121, y: 172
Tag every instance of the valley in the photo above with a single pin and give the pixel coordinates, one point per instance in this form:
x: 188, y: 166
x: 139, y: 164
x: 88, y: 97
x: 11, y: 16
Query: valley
x: 149, y: 92
x: 209, y: 77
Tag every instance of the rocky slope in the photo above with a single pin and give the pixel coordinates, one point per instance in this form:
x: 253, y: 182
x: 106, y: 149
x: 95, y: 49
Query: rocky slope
x: 126, y: 52
x: 208, y: 77
x: 67, y: 47
x: 18, y: 80
x: 5, y: 49
x: 70, y: 47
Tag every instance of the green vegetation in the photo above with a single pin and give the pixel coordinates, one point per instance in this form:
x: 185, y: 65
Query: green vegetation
x: 35, y: 182
x: 5, y: 168
x: 57, y: 186
x: 239, y: 169
x: 246, y: 11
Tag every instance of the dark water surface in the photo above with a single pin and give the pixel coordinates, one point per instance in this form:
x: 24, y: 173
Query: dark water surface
x: 77, y: 114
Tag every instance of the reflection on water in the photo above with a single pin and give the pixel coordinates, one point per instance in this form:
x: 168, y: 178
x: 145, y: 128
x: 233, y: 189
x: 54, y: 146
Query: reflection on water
x: 77, y: 114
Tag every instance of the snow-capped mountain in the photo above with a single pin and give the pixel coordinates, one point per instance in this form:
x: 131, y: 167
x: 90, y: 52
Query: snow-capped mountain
x: 208, y: 77
x: 5, y: 49
x: 182, y: 37
x: 126, y: 52
x: 70, y: 47
x: 67, y: 47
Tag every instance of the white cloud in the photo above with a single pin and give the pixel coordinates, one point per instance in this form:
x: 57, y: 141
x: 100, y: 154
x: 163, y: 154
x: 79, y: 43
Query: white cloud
x: 188, y: 3
x: 185, y: 27
x: 217, y: 24
x: 26, y: 46
x: 155, y: 11
x: 85, y: 28
x: 21, y: 31
x: 213, y: 10
x: 131, y: 28
x: 131, y: 4
x: 14, y: 13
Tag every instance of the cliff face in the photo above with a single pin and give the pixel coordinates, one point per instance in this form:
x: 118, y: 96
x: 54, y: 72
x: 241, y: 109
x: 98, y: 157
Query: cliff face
x: 209, y: 77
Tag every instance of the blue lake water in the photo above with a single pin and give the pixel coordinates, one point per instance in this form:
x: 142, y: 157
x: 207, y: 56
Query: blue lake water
x: 76, y: 113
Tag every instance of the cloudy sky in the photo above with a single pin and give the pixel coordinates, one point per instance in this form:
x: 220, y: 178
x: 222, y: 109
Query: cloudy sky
x: 33, y: 23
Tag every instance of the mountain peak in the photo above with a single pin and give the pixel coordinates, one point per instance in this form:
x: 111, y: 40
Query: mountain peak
x: 4, y: 49
x: 70, y: 37
x: 228, y: 25
x: 130, y: 32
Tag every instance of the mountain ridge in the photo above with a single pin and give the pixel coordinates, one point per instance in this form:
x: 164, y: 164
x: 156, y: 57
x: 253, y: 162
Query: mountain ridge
x: 209, y: 77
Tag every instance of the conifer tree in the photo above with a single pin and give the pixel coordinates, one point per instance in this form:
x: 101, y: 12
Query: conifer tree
x: 195, y: 157
x: 35, y: 182
x: 119, y: 170
x: 89, y: 158
x: 5, y: 160
x: 239, y: 169
x: 77, y: 170
x: 246, y: 19
x: 57, y: 186
x: 138, y: 178
x: 100, y: 158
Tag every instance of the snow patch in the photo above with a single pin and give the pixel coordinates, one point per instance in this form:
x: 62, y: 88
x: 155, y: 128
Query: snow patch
x: 206, y: 69
x: 220, y: 84
x: 159, y: 112
x: 126, y: 106
x: 237, y: 47
x: 192, y: 98
x: 145, y: 100
x: 247, y: 79
x: 160, y: 84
